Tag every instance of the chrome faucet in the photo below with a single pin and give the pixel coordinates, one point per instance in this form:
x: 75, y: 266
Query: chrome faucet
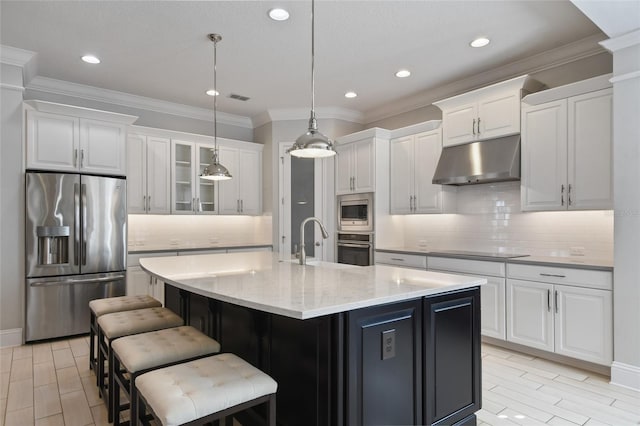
x: 325, y: 235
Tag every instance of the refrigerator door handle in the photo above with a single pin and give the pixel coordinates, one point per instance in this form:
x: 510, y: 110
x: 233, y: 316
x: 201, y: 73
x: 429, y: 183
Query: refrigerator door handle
x: 76, y: 221
x: 83, y: 199
x: 80, y: 281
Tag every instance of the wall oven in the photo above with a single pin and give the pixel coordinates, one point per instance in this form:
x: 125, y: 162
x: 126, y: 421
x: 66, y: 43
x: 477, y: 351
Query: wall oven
x: 355, y: 212
x: 355, y: 248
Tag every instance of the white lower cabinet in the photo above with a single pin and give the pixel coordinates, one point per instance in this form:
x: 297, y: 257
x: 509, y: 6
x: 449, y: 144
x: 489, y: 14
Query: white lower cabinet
x: 492, y: 294
x: 573, y: 320
x: 141, y: 283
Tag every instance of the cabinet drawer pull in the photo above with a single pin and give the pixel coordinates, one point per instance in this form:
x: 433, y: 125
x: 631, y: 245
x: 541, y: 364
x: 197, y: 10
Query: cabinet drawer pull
x: 562, y: 195
x: 548, y: 300
x: 75, y: 158
x: 569, y: 194
x: 553, y: 275
x: 473, y: 126
x: 556, y: 300
x: 397, y: 259
x: 478, y: 125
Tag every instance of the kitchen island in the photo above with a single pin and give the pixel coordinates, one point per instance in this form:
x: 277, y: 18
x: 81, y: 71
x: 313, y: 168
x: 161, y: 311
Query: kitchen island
x: 347, y: 345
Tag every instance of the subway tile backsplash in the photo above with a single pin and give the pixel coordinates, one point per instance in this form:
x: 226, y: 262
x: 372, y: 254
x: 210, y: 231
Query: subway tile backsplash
x: 160, y: 232
x: 489, y: 218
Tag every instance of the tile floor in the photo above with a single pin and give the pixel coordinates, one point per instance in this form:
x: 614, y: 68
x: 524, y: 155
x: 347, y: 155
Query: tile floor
x: 51, y: 384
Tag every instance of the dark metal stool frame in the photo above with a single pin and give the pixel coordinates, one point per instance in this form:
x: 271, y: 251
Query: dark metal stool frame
x: 104, y: 354
x: 268, y: 400
x: 120, y: 382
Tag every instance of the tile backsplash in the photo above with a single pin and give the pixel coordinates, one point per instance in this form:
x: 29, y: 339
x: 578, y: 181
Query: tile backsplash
x: 489, y: 218
x: 158, y: 232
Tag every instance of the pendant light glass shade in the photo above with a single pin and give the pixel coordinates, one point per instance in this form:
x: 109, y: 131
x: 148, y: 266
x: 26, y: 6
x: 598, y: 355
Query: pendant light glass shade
x: 312, y: 144
x: 215, y: 170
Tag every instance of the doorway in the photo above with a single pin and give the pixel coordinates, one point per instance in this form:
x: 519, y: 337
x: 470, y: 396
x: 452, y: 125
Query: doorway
x: 303, y: 190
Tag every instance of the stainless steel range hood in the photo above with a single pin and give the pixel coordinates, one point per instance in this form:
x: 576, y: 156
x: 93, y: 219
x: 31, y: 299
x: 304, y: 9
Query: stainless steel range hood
x: 493, y: 160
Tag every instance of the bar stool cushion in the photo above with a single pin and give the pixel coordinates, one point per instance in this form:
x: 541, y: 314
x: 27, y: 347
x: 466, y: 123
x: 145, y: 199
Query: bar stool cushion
x: 192, y: 390
x: 147, y: 350
x: 125, y: 323
x: 110, y: 305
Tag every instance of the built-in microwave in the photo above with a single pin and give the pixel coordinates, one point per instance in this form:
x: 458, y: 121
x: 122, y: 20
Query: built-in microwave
x: 355, y: 212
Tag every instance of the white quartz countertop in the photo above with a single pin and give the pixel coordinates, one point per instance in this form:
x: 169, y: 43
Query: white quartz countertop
x: 258, y: 280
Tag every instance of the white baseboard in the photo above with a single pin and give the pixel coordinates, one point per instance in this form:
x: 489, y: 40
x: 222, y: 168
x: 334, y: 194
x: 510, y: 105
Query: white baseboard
x: 11, y: 337
x: 625, y: 375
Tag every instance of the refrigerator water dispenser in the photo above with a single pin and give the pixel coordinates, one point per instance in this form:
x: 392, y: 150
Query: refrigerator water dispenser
x: 53, y: 245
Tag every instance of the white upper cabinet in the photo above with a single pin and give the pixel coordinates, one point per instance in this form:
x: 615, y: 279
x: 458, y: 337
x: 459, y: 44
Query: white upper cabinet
x: 413, y: 162
x: 148, y: 174
x: 485, y: 113
x: 242, y: 195
x: 190, y: 194
x: 355, y: 167
x: 567, y: 148
x: 73, y: 139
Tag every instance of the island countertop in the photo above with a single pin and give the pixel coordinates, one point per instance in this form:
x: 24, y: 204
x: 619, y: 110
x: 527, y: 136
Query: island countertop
x: 259, y: 280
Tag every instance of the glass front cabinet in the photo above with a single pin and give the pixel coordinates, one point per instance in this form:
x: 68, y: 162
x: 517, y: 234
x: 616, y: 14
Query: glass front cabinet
x: 190, y: 194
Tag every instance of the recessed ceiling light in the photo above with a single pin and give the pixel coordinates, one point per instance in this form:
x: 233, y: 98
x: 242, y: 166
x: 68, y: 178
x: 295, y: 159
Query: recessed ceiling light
x: 212, y: 92
x: 403, y: 73
x: 480, y: 42
x: 278, y: 14
x: 90, y: 59
x: 350, y: 95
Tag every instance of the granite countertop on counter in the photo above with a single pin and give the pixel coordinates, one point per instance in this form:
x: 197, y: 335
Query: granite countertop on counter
x: 558, y: 261
x: 159, y: 248
x: 259, y: 280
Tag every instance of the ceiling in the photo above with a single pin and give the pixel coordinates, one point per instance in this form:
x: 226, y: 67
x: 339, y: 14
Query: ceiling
x: 160, y: 50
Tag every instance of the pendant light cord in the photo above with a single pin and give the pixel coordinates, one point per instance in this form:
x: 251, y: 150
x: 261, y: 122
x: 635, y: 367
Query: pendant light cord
x: 312, y: 120
x: 215, y: 97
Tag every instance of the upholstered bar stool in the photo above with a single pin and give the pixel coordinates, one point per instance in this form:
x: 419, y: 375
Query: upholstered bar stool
x: 109, y: 305
x: 205, y: 390
x: 120, y: 324
x: 134, y: 355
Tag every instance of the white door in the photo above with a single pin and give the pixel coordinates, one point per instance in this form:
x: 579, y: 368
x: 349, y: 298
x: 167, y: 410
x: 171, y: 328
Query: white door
x: 137, y: 174
x: 583, y: 324
x: 298, y: 198
x: 459, y: 125
x: 138, y: 282
x: 499, y: 116
x: 401, y: 178
x: 53, y: 141
x: 250, y: 173
x: 363, y: 166
x: 544, y: 157
x: 529, y: 314
x: 228, y: 190
x: 427, y: 150
x: 158, y: 176
x: 493, y: 308
x: 590, y: 151
x: 344, y: 169
x: 102, y: 147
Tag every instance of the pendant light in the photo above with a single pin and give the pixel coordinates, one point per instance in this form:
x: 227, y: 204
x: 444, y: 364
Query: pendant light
x: 215, y: 170
x: 312, y: 144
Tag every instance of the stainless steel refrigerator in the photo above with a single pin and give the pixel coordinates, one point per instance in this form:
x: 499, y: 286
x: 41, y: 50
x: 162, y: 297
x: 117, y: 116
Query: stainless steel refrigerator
x: 76, y: 233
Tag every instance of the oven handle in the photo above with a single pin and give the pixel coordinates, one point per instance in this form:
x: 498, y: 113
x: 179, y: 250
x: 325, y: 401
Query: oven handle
x: 354, y: 245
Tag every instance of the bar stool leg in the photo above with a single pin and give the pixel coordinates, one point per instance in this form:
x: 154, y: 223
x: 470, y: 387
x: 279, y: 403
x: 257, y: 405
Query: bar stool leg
x: 92, y: 335
x: 271, y: 410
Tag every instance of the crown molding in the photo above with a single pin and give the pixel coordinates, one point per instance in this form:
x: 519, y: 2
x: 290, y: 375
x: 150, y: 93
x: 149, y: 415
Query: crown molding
x: 285, y: 114
x: 622, y: 42
x: 584, y: 48
x: 60, y: 87
x: 14, y: 56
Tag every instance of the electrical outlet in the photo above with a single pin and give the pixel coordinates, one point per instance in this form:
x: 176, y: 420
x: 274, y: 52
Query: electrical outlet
x: 576, y: 251
x: 388, y: 344
x: 174, y: 242
x: 423, y: 245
